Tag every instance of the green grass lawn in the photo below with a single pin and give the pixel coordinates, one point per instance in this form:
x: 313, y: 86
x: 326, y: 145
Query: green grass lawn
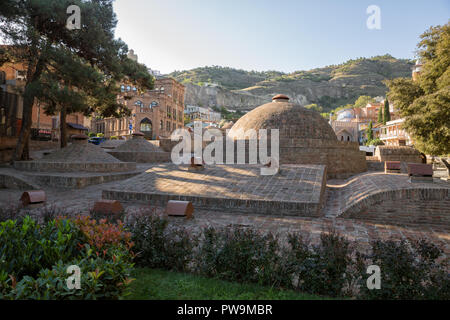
x: 154, y: 284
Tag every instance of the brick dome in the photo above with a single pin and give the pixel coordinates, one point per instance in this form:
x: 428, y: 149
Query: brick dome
x: 294, y: 122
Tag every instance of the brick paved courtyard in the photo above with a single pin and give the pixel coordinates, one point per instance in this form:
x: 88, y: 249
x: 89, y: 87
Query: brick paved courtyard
x: 296, y: 190
x: 81, y: 200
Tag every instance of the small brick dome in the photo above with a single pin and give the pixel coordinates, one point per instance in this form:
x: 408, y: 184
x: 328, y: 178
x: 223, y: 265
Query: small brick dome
x: 294, y: 122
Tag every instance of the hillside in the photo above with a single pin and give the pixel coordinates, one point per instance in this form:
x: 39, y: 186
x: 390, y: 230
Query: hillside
x: 330, y: 87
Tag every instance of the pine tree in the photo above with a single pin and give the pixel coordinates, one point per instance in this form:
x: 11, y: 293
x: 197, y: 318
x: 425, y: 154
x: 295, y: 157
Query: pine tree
x: 386, y: 113
x: 69, y: 70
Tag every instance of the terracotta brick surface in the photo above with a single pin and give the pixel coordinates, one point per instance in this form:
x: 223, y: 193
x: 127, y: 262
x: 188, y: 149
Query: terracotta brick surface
x: 420, y: 169
x: 103, y: 206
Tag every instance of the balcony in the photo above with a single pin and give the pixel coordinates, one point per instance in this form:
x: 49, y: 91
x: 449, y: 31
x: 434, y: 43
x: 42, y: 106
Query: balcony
x: 393, y: 135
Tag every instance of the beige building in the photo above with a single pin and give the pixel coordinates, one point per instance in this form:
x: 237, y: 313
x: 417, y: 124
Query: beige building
x: 392, y: 134
x: 156, y: 113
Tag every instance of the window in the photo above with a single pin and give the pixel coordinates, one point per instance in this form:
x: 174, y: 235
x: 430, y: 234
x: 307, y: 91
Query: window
x: 146, y: 125
x: 122, y: 88
x: 128, y: 88
x: 2, y: 77
x: 161, y: 125
x: 168, y: 126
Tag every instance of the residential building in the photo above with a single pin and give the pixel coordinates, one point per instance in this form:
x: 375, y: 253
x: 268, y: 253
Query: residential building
x: 392, y: 134
x: 44, y: 127
x: 202, y: 114
x: 156, y: 113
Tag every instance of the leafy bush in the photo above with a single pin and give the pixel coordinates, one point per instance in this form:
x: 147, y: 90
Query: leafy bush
x: 159, y: 246
x: 408, y: 271
x: 100, y: 135
x: 321, y: 269
x: 103, y: 236
x: 332, y: 267
x: 34, y: 259
x: 92, y: 134
x: 114, y: 138
x: 27, y: 247
x: 374, y: 142
x: 239, y: 254
x: 100, y: 279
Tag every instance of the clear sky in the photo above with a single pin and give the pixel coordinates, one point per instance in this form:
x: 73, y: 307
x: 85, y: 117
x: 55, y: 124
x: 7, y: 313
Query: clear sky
x: 284, y: 35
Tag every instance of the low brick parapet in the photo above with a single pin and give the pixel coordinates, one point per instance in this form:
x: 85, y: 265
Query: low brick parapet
x: 41, y: 166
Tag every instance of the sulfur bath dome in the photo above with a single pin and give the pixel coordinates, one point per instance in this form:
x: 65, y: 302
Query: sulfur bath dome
x: 293, y: 121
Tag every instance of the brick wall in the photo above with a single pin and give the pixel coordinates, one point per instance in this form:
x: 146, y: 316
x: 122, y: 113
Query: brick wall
x: 398, y: 153
x: 408, y: 206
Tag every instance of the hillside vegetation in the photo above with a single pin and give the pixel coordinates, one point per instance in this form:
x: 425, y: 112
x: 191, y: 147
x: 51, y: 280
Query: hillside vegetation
x: 329, y: 87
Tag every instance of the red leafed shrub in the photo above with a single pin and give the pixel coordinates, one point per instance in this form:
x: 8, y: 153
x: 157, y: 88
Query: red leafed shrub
x: 102, y: 235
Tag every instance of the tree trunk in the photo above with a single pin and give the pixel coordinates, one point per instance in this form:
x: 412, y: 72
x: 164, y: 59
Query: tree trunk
x: 21, y: 152
x: 63, y: 127
x: 22, y: 147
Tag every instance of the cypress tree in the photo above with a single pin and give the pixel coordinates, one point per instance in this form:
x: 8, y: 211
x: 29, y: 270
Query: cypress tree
x: 369, y: 132
x: 387, y: 114
x: 380, y: 115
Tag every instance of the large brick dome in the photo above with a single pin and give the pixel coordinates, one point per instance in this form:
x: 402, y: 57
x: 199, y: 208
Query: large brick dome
x: 294, y: 122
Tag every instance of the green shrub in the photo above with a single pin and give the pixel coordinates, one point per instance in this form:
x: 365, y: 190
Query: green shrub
x: 375, y: 142
x: 407, y: 271
x: 114, y: 138
x: 100, y: 279
x: 321, y: 269
x: 330, y: 268
x: 92, y: 134
x: 27, y: 247
x: 100, y: 135
x: 34, y: 258
x: 159, y: 246
x: 239, y: 254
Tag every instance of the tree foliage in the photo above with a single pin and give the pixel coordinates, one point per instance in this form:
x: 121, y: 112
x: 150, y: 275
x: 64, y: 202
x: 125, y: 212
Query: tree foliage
x: 362, y: 101
x: 369, y: 132
x: 315, y: 107
x: 425, y: 103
